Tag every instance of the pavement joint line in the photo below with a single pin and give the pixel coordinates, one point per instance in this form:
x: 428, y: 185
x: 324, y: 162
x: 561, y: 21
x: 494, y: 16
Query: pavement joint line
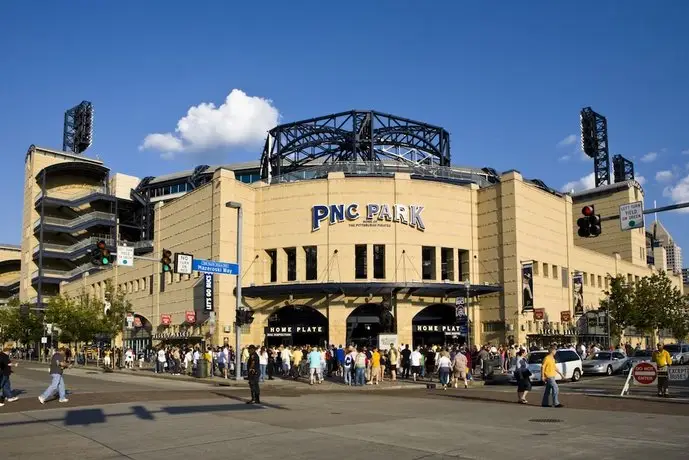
x: 64, y: 428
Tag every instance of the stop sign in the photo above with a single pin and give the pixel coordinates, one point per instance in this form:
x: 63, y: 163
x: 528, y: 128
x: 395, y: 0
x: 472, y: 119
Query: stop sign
x: 645, y: 373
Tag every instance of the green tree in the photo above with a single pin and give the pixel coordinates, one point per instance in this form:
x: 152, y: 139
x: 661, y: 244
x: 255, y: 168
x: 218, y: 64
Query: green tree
x: 25, y: 328
x: 620, y: 303
x: 112, y: 321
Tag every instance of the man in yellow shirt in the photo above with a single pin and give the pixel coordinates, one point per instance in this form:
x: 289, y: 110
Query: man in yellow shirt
x: 662, y: 359
x: 375, y: 367
x: 549, y: 371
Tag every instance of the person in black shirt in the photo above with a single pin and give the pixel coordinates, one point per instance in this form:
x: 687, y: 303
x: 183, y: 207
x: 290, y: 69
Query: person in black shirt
x: 253, y: 367
x: 406, y: 361
x: 6, y: 366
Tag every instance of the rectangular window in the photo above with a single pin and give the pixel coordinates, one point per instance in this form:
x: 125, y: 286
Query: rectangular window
x: 273, y: 260
x: 593, y: 280
x: 291, y: 263
x: 463, y: 265
x: 360, y: 261
x: 545, y: 270
x: 447, y: 264
x: 428, y: 262
x: 555, y: 272
x: 535, y: 268
x: 379, y: 261
x: 311, y: 253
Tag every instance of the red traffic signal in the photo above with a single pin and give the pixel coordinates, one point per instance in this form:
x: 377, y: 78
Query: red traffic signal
x: 101, y: 245
x: 588, y: 211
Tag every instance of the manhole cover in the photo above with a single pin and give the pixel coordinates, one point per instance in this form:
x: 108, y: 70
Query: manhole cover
x: 545, y: 420
x: 92, y: 372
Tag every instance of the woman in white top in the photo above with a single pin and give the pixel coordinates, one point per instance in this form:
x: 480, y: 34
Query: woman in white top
x: 263, y: 362
x: 444, y: 367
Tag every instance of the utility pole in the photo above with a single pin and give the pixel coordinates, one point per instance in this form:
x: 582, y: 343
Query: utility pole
x: 238, y: 294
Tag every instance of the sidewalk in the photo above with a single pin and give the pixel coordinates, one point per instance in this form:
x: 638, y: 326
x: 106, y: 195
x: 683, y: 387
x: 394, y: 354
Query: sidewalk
x: 278, y: 382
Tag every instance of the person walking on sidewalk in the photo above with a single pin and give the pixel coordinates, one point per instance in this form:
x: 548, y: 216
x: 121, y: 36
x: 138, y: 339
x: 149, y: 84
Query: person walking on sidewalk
x: 58, y: 363
x: 6, y: 366
x: 253, y: 369
x: 549, y: 371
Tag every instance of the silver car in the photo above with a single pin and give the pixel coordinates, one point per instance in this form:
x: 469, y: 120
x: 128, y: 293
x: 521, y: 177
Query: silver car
x: 679, y: 353
x: 640, y: 356
x: 606, y: 362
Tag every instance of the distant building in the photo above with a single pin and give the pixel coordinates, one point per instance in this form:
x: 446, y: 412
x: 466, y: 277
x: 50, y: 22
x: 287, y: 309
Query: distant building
x: 672, y: 250
x: 685, y: 275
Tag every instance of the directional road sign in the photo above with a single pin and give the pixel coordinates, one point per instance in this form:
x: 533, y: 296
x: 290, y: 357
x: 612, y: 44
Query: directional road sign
x: 183, y: 263
x: 678, y: 373
x: 211, y: 266
x: 125, y: 256
x: 632, y: 215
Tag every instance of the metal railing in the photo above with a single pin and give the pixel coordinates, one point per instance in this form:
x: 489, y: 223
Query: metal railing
x: 65, y: 273
x: 374, y: 168
x: 91, y: 241
x: 73, y: 196
x: 76, y: 221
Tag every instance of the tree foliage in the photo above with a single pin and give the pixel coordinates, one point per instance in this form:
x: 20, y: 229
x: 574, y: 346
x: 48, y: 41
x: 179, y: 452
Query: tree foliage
x: 15, y: 326
x: 650, y: 304
x: 85, y: 317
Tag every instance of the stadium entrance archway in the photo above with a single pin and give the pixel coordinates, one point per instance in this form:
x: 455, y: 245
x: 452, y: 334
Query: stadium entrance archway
x: 437, y: 325
x: 297, y: 325
x: 367, y: 321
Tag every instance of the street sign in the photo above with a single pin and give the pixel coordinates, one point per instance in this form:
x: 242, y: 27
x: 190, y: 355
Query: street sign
x: 44, y: 340
x: 130, y: 321
x: 183, y: 263
x: 125, y: 256
x: 678, y: 373
x: 644, y: 374
x: 632, y: 215
x: 211, y: 266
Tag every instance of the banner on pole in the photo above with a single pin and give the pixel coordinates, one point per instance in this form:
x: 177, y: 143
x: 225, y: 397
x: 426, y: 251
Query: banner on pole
x: 578, y: 292
x: 527, y: 287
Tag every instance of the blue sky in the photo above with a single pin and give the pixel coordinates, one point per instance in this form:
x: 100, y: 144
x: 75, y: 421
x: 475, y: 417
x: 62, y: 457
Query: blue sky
x: 507, y: 80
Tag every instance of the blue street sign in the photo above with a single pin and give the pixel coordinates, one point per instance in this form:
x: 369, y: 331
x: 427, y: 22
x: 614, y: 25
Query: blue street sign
x: 211, y: 266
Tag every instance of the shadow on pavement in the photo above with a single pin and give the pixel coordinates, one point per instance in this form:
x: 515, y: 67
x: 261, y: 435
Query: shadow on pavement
x: 84, y: 417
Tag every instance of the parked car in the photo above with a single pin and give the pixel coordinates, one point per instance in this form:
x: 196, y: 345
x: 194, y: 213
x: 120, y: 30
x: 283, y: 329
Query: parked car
x: 567, y: 361
x: 640, y: 356
x: 679, y: 353
x: 606, y: 362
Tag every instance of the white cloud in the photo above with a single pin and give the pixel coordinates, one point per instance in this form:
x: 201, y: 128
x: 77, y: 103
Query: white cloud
x: 640, y: 179
x: 585, y: 183
x: 649, y: 157
x: 679, y: 193
x: 664, y: 176
x: 564, y: 158
x: 569, y: 140
x: 685, y: 152
x: 239, y: 122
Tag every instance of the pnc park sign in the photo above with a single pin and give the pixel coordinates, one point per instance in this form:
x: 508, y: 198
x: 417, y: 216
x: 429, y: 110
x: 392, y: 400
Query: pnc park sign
x: 375, y: 215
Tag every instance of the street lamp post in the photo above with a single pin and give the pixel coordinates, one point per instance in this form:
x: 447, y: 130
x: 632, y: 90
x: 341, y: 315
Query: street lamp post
x: 467, y: 286
x: 238, y: 294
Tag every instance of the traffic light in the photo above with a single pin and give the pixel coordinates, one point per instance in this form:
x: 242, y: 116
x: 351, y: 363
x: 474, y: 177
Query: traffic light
x: 244, y: 317
x: 590, y: 224
x: 100, y: 255
x: 166, y: 260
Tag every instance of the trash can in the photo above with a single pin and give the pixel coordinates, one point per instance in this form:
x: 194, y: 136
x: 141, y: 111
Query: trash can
x: 202, y: 369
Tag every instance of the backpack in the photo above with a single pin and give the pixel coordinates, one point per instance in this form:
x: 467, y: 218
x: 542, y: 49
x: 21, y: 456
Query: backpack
x: 348, y: 360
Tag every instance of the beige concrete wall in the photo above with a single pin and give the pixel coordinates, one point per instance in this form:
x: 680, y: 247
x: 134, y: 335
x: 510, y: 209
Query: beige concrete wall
x: 121, y: 185
x: 500, y: 226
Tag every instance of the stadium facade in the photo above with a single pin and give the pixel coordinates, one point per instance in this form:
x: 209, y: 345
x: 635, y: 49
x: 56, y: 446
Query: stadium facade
x: 346, y: 235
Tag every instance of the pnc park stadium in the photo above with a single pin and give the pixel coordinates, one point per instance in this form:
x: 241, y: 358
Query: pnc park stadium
x: 349, y: 228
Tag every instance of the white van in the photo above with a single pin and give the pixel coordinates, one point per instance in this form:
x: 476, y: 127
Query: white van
x: 567, y: 361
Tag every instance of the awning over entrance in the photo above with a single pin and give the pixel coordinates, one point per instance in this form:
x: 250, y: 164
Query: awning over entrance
x: 364, y: 289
